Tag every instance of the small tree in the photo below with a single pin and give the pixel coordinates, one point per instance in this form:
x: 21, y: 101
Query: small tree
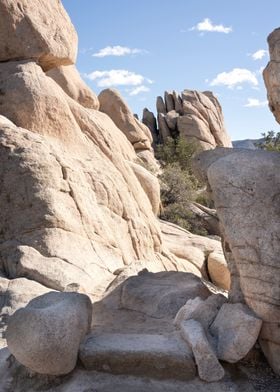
x: 271, y: 141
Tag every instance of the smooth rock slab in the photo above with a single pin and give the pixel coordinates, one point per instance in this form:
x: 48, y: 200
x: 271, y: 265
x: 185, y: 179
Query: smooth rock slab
x: 161, y: 294
x: 209, y: 368
x: 156, y: 356
x: 46, y: 334
x: 237, y: 329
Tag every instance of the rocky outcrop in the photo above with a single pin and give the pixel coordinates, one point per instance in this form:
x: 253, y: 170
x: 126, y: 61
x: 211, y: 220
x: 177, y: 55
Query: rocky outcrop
x: 245, y: 188
x: 69, y: 79
x: 38, y: 30
x: 45, y: 335
x: 136, y: 132
x: 200, y: 255
x: 150, y: 121
x: 196, y: 116
x: 271, y: 74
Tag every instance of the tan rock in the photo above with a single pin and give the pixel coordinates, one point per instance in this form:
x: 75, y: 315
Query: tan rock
x: 218, y: 270
x: 39, y: 30
x: 71, y: 82
x: 189, y: 247
x: 150, y: 184
x: 114, y: 106
x: 245, y: 188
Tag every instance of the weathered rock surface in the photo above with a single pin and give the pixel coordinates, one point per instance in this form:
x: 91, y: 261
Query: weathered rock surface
x: 39, y: 30
x: 136, y: 132
x: 69, y: 79
x: 161, y: 294
x: 237, y: 329
x: 271, y: 74
x: 196, y: 250
x: 196, y: 116
x: 245, y: 188
x: 150, y: 184
x: 209, y: 368
x: 45, y: 335
x: 156, y: 356
x: 114, y: 106
x: 14, y: 294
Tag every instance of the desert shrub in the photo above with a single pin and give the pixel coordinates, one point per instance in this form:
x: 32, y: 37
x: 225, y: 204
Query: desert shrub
x: 271, y: 141
x: 179, y: 186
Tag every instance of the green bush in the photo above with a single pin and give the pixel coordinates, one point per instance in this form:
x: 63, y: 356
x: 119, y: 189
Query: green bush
x: 271, y: 141
x: 179, y: 187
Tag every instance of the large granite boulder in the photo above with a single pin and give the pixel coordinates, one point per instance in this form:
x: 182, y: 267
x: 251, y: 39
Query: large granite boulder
x: 245, y: 188
x: 45, y: 335
x: 39, y: 30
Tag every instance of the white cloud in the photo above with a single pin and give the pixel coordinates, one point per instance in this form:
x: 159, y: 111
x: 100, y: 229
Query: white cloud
x: 235, y: 78
x: 117, y: 51
x: 139, y: 89
x: 207, y: 25
x: 117, y: 77
x: 254, y: 103
x: 259, y: 54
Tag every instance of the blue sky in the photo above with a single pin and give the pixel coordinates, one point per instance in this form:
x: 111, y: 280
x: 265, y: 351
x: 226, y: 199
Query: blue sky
x: 143, y: 48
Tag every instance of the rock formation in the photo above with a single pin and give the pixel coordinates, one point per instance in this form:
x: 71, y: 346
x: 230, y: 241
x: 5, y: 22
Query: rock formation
x: 245, y: 187
x: 78, y: 216
x: 271, y: 74
x: 194, y: 115
x: 136, y: 132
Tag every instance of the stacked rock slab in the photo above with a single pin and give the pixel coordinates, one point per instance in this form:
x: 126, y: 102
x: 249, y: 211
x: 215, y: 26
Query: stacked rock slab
x: 245, y: 187
x: 271, y: 74
x: 193, y: 115
x: 75, y: 205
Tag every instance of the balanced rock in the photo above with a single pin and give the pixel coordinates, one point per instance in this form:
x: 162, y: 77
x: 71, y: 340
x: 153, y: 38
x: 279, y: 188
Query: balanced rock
x: 39, y: 30
x: 237, y: 329
x: 71, y: 82
x: 45, y: 335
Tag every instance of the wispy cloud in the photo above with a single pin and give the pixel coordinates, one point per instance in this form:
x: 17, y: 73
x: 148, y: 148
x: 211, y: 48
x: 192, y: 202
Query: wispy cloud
x: 118, y: 51
x: 208, y: 26
x: 139, y: 89
x: 254, y: 103
x: 117, y: 77
x: 235, y: 78
x: 259, y: 54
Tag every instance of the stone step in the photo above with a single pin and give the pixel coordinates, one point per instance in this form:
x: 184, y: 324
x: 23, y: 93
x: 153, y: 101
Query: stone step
x: 156, y: 356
